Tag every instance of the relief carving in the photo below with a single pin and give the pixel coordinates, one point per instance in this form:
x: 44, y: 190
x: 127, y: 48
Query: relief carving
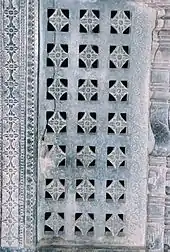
x: 19, y: 33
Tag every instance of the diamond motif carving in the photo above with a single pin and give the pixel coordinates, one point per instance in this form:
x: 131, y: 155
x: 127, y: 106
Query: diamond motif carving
x: 87, y: 122
x: 54, y: 221
x: 88, y: 54
x: 84, y: 222
x: 117, y: 123
x: 57, y: 122
x: 118, y: 90
x: 86, y: 155
x: 114, y: 224
x: 115, y: 189
x: 58, y: 19
x: 116, y: 157
x: 120, y: 21
x: 118, y: 56
x: 55, y: 189
x: 85, y: 189
x: 58, y: 154
x: 88, y: 89
x: 57, y: 89
x: 89, y: 20
x: 58, y: 55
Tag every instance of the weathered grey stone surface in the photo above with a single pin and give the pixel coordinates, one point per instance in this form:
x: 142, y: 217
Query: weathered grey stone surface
x: 96, y: 177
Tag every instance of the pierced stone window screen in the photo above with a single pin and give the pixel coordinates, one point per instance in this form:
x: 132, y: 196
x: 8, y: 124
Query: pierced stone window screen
x: 93, y: 121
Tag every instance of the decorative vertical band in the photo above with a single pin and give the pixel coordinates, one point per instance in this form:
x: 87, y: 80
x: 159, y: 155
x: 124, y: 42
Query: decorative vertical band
x: 156, y: 203
x: 10, y: 127
x: 31, y: 123
x: 19, y: 58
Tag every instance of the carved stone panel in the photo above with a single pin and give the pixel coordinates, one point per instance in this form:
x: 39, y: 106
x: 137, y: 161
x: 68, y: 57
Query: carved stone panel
x: 93, y: 122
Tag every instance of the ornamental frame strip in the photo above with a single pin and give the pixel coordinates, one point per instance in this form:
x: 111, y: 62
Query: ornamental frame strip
x: 27, y: 84
x: 10, y: 127
x: 24, y: 79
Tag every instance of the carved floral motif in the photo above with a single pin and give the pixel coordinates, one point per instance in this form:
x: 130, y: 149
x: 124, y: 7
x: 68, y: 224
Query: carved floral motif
x: 119, y: 56
x: 89, y: 56
x: 85, y: 188
x: 55, y: 222
x: 89, y: 20
x: 58, y: 20
x: 11, y: 129
x: 120, y: 22
x: 86, y: 156
x: 84, y: 222
x: 118, y: 90
x: 117, y: 123
x: 58, y: 55
x: 116, y: 157
x: 114, y: 224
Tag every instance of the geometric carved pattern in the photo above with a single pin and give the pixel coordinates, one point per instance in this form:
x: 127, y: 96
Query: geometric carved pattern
x: 10, y: 93
x: 85, y: 189
x: 84, y: 224
x: 120, y: 22
x: 60, y: 20
x: 55, y: 189
x: 119, y: 56
x: 86, y: 156
x: 58, y: 154
x: 86, y: 122
x: 117, y: 123
x: 115, y: 190
x: 58, y: 54
x: 88, y: 56
x: 89, y: 21
x: 114, y: 225
x: 58, y: 122
x: 116, y: 157
x: 54, y: 222
x: 58, y: 89
x: 118, y: 91
x: 87, y: 90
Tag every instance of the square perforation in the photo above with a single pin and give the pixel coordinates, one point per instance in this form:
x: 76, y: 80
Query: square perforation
x: 56, y: 122
x: 118, y: 90
x: 58, y: 20
x: 119, y: 57
x: 88, y: 56
x: 89, y: 21
x: 86, y: 122
x: 57, y: 89
x: 87, y: 90
x: 120, y: 22
x: 116, y: 157
x: 57, y: 55
x: 117, y: 123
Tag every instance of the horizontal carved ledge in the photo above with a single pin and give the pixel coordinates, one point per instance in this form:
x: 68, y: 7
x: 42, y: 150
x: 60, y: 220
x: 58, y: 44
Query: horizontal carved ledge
x: 90, y: 249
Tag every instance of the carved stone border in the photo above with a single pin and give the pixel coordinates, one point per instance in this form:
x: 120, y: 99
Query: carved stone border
x: 18, y: 92
x: 31, y: 124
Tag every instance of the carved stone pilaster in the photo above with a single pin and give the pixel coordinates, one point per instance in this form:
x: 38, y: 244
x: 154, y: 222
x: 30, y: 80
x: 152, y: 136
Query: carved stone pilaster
x: 167, y: 208
x: 160, y: 95
x: 156, y: 203
x: 160, y: 84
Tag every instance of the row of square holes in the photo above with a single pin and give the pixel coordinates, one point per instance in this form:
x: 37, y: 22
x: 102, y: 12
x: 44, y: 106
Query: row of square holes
x: 82, y: 64
x: 82, y: 29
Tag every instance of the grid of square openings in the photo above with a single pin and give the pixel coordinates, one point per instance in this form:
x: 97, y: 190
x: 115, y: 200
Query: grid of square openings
x: 87, y: 90
x: 84, y: 224
x: 89, y: 22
